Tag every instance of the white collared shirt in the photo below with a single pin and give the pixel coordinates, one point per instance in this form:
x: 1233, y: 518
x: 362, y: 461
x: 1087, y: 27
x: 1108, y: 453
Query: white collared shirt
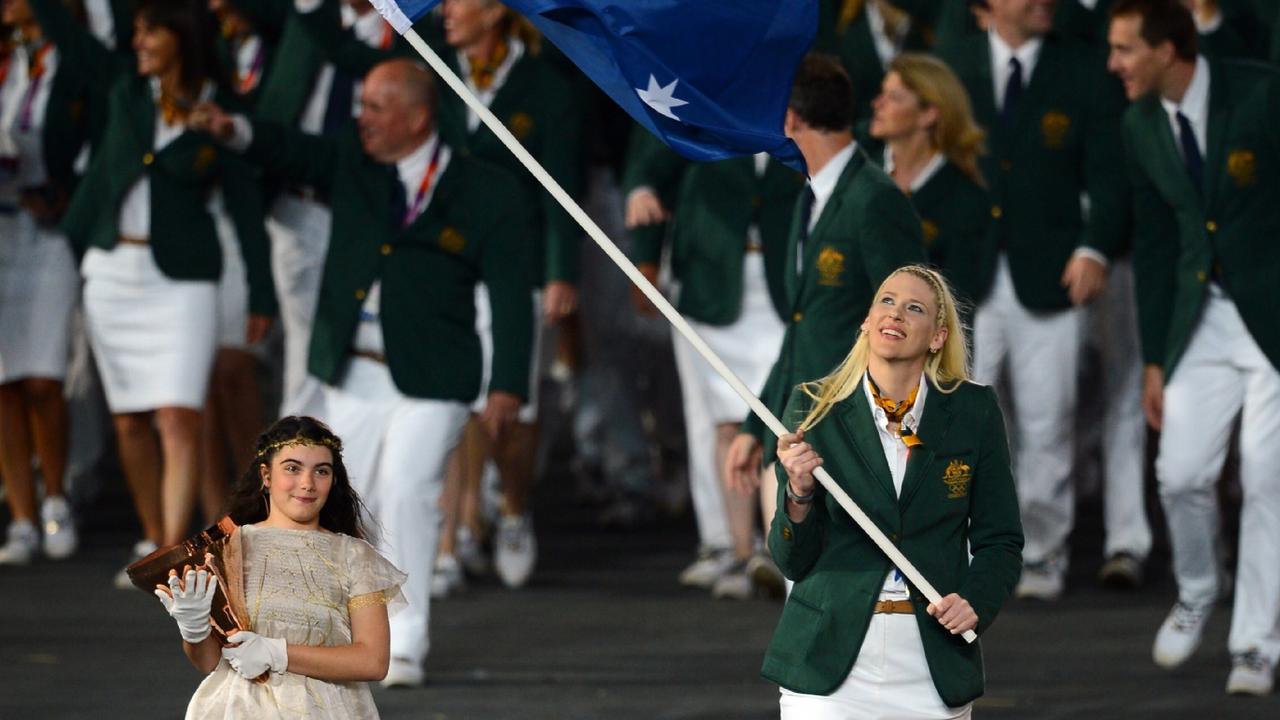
x: 135, y: 211
x: 27, y: 145
x: 1001, y: 54
x: 887, y: 48
x: 515, y: 50
x: 896, y: 454
x: 411, y: 169
x: 930, y: 169
x: 1194, y: 105
x: 823, y: 186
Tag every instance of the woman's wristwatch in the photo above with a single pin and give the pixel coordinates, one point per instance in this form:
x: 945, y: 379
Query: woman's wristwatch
x: 799, y: 499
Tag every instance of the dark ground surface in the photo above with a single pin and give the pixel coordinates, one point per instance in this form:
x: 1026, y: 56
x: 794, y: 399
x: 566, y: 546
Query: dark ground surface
x: 602, y: 631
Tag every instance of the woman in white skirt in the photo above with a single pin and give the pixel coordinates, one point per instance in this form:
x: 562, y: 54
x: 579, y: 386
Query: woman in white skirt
x: 152, y: 258
x: 41, y: 130
x: 923, y: 453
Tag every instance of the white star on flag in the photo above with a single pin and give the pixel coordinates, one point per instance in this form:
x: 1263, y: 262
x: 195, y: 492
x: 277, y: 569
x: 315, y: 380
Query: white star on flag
x: 661, y: 99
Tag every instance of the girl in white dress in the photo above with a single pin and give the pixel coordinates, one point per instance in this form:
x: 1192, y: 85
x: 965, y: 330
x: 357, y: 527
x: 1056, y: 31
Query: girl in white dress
x: 317, y: 594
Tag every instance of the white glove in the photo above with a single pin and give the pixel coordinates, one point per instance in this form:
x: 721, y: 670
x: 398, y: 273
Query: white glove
x: 189, y: 602
x: 253, y: 654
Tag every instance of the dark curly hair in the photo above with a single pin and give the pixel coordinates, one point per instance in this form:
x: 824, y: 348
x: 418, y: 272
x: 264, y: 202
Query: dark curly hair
x: 343, y: 511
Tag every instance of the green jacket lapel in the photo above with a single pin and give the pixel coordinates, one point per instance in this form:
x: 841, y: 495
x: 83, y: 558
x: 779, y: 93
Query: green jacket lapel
x: 142, y: 121
x: 1216, y: 137
x: 934, y: 426
x: 1169, y: 155
x: 855, y: 414
x: 1047, y: 69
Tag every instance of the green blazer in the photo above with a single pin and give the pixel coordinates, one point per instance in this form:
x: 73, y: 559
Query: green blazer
x: 955, y: 218
x: 184, y: 240
x: 428, y: 271
x: 957, y: 498
x: 1064, y: 141
x: 867, y: 230
x: 536, y: 103
x: 1182, y: 232
x: 714, y: 204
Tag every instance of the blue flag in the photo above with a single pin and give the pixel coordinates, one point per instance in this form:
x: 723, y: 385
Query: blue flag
x: 712, y: 78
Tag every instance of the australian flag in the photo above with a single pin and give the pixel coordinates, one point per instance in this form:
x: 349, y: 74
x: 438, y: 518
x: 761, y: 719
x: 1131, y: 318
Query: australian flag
x: 710, y: 77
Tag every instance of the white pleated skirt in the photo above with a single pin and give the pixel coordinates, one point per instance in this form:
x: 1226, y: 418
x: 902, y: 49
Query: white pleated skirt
x: 153, y: 337
x: 39, y: 287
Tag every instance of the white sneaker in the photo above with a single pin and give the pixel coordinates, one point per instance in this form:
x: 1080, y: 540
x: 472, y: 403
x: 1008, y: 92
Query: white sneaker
x: 60, y: 538
x: 1251, y: 674
x: 734, y: 584
x: 710, y: 565
x: 141, y: 549
x: 470, y: 552
x: 1179, y: 634
x: 446, y: 577
x: 22, y: 542
x: 1040, y: 581
x: 404, y: 673
x: 515, y: 550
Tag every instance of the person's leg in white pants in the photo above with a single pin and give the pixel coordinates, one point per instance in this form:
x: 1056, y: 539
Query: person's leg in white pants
x: 700, y: 433
x: 420, y: 435
x: 1125, y: 427
x: 299, y: 232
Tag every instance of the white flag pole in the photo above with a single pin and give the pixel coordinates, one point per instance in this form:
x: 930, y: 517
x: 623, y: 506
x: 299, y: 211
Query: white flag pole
x: 660, y: 302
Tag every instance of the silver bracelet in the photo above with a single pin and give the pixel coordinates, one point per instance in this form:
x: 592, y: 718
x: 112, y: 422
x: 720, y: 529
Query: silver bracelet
x: 799, y: 499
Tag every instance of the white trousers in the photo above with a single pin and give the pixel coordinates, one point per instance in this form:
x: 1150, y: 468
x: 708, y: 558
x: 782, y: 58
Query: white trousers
x: 395, y: 449
x: 890, y: 680
x: 1223, y: 373
x: 748, y: 346
x: 1113, y: 321
x: 1041, y: 351
x: 299, y: 232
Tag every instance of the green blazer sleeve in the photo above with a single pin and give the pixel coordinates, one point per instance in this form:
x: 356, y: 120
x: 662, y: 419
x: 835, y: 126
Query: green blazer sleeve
x: 77, y: 47
x: 795, y: 546
x: 302, y: 158
x: 561, y: 157
x: 510, y: 294
x: 1155, y: 257
x: 243, y: 195
x: 1108, y: 223
x: 994, y: 542
x: 650, y: 164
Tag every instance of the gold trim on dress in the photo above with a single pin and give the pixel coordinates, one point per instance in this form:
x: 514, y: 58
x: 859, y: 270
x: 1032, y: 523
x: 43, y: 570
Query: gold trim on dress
x: 377, y: 597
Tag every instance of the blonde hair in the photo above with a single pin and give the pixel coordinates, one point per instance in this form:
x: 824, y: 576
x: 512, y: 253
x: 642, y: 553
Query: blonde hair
x: 955, y: 134
x: 946, y: 369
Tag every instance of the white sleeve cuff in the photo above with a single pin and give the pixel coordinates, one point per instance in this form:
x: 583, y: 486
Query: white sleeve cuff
x: 1092, y: 254
x: 242, y: 137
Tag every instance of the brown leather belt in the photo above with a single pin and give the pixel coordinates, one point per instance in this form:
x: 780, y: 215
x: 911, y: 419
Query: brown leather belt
x: 369, y: 355
x: 754, y: 247
x: 894, y: 607
x: 126, y: 240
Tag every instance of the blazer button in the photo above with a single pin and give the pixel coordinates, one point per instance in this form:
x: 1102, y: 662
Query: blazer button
x: 997, y: 212
x: 786, y: 533
x: 148, y: 159
x: 797, y: 317
x: 1211, y: 226
x: 360, y: 294
x: 1202, y: 276
x: 385, y: 249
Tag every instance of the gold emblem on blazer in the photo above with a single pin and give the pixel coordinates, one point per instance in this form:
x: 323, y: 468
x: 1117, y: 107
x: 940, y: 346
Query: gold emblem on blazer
x: 1054, y: 126
x: 204, y: 158
x: 830, y: 267
x: 929, y: 229
x: 1242, y: 166
x: 957, y: 477
x: 451, y: 241
x: 520, y: 124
